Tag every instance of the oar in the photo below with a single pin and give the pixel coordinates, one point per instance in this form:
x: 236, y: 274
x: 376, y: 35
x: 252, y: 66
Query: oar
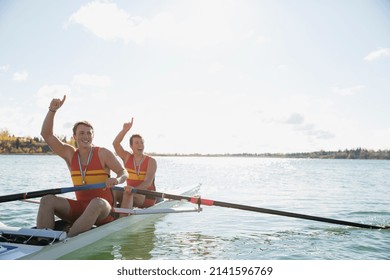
x: 208, y: 202
x: 141, y: 211
x: 26, y: 195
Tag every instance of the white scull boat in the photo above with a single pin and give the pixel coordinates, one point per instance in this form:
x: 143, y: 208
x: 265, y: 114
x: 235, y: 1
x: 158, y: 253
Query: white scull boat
x: 15, y: 242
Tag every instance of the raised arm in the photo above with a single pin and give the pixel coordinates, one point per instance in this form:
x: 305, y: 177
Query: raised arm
x: 120, y: 151
x: 60, y: 148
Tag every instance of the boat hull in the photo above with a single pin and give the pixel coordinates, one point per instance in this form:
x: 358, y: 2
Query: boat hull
x: 61, y: 248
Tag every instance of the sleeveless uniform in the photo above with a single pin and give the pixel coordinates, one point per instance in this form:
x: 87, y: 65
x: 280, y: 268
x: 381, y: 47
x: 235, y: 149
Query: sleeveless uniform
x: 137, y: 176
x: 95, y: 173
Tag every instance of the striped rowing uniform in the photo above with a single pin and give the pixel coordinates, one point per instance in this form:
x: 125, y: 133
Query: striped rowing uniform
x: 94, y: 174
x: 137, y: 175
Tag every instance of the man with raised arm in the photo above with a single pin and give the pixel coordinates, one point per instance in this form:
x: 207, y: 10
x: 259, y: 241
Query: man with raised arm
x: 87, y: 165
x: 140, y: 167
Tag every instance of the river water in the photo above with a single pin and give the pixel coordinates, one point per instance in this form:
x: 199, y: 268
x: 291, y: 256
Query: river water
x: 350, y: 190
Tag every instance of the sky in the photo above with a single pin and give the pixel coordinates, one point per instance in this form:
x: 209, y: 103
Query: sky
x: 202, y: 76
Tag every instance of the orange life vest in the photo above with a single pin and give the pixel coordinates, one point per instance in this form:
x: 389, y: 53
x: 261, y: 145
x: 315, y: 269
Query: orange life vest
x: 94, y: 174
x: 137, y: 176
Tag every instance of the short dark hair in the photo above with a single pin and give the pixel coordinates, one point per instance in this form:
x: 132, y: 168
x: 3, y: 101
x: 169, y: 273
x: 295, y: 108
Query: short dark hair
x: 79, y: 123
x: 135, y: 136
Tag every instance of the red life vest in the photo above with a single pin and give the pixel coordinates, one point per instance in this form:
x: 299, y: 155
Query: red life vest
x: 137, y: 176
x: 94, y: 174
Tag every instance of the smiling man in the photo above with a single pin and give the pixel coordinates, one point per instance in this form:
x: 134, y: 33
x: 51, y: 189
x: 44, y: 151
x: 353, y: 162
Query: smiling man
x: 88, y: 165
x: 140, y: 167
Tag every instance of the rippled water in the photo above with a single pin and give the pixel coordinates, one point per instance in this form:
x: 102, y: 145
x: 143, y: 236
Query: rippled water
x: 351, y: 190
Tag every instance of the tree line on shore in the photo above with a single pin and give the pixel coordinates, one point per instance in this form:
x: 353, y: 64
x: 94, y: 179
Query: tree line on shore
x: 357, y: 153
x: 10, y: 144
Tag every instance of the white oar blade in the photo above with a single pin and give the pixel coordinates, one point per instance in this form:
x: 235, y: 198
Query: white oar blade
x: 155, y: 211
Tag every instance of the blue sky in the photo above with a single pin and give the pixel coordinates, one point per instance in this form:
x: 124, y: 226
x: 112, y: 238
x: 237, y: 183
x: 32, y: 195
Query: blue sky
x: 202, y: 76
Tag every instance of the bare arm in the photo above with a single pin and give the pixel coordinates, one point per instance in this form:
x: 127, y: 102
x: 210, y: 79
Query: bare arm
x: 60, y: 148
x: 121, y: 152
x: 110, y: 162
x: 150, y: 174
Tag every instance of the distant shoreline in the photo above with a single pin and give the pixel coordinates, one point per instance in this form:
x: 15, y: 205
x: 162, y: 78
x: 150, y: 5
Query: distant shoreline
x: 12, y: 145
x: 347, y: 154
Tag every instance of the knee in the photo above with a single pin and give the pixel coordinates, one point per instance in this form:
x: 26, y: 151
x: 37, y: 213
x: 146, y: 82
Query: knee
x: 99, y: 203
x: 47, y: 200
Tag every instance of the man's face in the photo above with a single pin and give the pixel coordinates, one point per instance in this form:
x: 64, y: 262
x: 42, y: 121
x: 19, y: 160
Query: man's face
x: 83, y: 136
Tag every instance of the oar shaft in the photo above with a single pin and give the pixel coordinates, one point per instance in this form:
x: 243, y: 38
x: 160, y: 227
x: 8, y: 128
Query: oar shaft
x: 19, y: 196
x: 40, y: 193
x: 294, y: 215
x: 200, y: 201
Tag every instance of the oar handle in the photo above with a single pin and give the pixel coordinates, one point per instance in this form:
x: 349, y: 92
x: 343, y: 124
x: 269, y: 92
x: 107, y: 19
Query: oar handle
x: 40, y: 193
x: 19, y: 196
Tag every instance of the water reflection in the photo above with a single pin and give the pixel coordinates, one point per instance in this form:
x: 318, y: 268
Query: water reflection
x: 134, y: 246
x: 197, y: 246
x: 123, y: 245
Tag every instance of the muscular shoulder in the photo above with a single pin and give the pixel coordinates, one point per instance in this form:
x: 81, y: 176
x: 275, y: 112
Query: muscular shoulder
x: 68, y: 154
x: 151, y: 161
x: 105, y: 153
x: 108, y: 160
x: 126, y: 157
x: 150, y: 157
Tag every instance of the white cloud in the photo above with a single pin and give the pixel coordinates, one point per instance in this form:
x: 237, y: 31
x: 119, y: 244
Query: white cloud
x: 91, y: 80
x: 9, y: 116
x: 47, y: 92
x: 262, y: 40
x: 308, y: 129
x: 283, y: 67
x: 311, y: 131
x: 20, y: 76
x: 378, y: 54
x: 295, y: 118
x: 214, y: 68
x: 18, y: 122
x: 250, y: 33
x: 93, y: 88
x: 106, y: 20
x: 350, y: 91
x: 206, y: 26
x: 4, y: 68
x: 377, y: 138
